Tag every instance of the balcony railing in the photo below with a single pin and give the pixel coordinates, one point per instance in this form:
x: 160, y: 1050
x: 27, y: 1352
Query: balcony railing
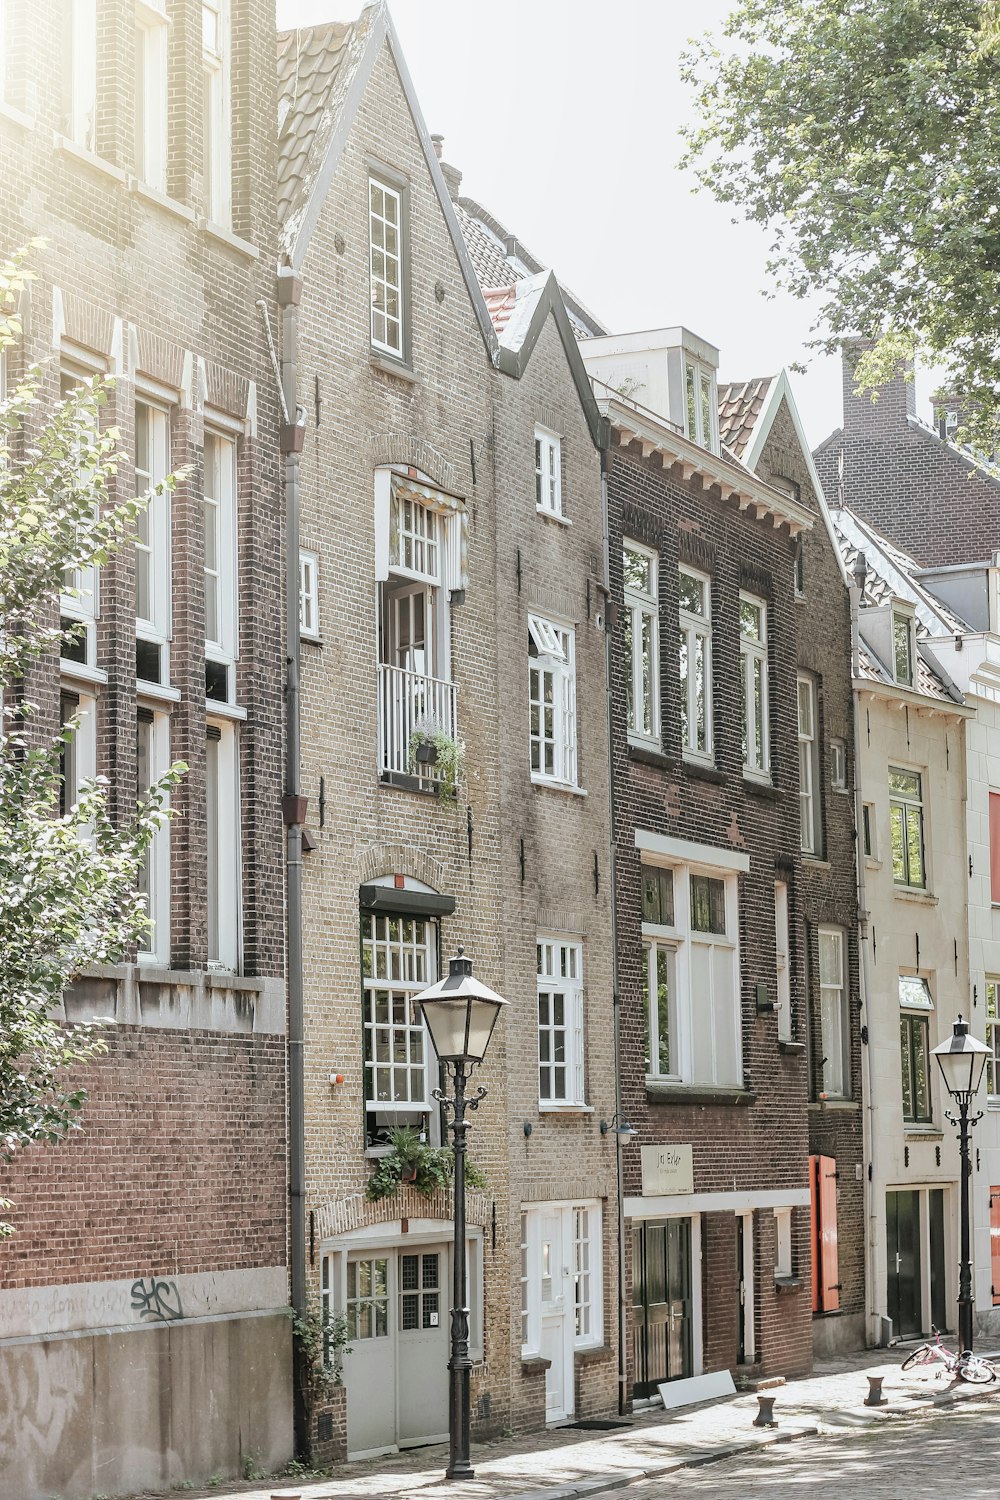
x: 408, y: 701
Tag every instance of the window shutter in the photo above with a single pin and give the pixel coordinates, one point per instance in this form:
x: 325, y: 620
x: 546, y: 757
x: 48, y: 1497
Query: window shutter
x: 995, y: 1244
x: 383, y: 490
x: 994, y: 846
x: 825, y: 1259
x: 456, y: 560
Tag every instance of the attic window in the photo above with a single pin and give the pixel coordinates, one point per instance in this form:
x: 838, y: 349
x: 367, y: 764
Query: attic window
x: 902, y: 647
x: 385, y: 225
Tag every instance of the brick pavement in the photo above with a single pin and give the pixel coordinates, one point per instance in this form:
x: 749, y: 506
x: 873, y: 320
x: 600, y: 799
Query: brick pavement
x: 565, y: 1462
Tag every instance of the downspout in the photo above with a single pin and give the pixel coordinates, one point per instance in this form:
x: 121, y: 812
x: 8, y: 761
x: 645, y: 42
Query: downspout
x: 294, y: 811
x: 868, y: 1132
x: 616, y: 992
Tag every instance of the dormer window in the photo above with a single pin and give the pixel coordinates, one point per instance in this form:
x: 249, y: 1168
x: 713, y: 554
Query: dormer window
x: 903, y: 647
x: 701, y: 405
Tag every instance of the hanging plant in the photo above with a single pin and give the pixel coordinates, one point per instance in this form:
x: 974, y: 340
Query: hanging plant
x: 412, y: 1163
x: 431, y: 746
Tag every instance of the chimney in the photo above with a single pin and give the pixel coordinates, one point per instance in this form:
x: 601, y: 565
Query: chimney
x: 452, y: 176
x: 896, y: 401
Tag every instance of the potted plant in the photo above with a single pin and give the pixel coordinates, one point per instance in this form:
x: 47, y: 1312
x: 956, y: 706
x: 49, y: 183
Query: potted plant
x: 430, y: 746
x: 411, y: 1162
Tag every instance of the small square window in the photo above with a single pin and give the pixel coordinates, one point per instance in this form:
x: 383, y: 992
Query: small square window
x: 708, y: 904
x: 657, y: 897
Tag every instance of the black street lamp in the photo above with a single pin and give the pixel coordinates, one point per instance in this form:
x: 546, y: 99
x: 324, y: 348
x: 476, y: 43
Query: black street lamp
x: 961, y: 1059
x: 460, y: 1014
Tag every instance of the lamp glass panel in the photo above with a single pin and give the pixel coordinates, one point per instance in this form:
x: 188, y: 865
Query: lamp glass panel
x: 446, y: 1021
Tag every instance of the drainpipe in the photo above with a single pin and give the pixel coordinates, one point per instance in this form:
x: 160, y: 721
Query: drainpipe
x: 613, y: 889
x: 293, y: 805
x: 868, y: 1132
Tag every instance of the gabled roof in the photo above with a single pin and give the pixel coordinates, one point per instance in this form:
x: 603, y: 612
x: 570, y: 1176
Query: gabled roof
x: 740, y: 406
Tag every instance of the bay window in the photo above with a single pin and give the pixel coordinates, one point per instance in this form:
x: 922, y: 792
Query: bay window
x: 694, y: 592
x: 753, y: 684
x: 552, y: 701
x: 642, y: 656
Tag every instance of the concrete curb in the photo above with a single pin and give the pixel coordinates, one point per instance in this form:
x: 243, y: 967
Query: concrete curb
x: 603, y: 1483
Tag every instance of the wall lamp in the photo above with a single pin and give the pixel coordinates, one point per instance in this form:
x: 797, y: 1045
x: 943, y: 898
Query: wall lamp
x: 623, y: 1130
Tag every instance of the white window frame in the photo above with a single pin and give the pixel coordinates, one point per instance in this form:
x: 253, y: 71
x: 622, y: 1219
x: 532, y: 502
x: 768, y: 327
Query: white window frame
x: 834, y: 1019
x: 869, y: 832
x: 548, y: 472
x: 809, y: 801
x: 223, y: 850
x: 701, y: 404
x: 407, y: 981
x: 753, y: 659
x: 902, y: 619
x: 695, y: 628
x: 217, y: 128
x: 83, y: 605
x: 908, y: 806
x: 309, y: 595
x: 838, y: 765
x: 559, y: 974
x: 697, y: 1018
x: 916, y: 1006
x: 151, y: 39
x: 156, y: 522
x: 783, y: 960
x: 386, y: 266
x: 155, y: 949
x: 567, y: 1211
x: 555, y: 662
x: 993, y: 1035
x: 643, y: 639
x: 783, y: 1243
x: 223, y: 647
x: 81, y: 64
x: 80, y: 755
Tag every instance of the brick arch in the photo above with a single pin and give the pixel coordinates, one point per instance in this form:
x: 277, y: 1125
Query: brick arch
x: 400, y: 859
x: 406, y: 448
x: 341, y: 1215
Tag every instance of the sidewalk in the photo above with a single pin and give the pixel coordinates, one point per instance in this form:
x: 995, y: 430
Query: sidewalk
x: 566, y: 1462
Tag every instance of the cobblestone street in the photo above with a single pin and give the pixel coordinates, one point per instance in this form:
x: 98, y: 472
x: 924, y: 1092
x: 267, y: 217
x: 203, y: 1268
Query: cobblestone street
x: 952, y: 1452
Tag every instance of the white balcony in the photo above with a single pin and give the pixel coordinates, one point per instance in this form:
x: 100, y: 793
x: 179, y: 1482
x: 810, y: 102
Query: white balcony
x: 408, y: 701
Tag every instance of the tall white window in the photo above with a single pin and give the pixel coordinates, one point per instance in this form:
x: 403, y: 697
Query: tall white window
x: 560, y: 1021
x: 562, y: 1276
x: 783, y: 1242
x: 152, y: 760
x: 906, y: 824
x: 309, y: 595
x: 586, y: 1288
x: 552, y: 699
x: 79, y: 604
x: 694, y: 592
x: 79, y: 38
x: 152, y: 541
x: 642, y: 641
x: 783, y: 961
x: 915, y: 1010
x: 701, y: 406
x: 385, y: 228
x: 691, y: 974
x: 903, y: 648
x: 220, y: 557
x: 222, y: 838
x: 808, y: 765
x: 151, y: 30
x: 834, y: 1028
x: 398, y: 957
x: 548, y: 471
x: 753, y: 684
x: 216, y: 110
x: 993, y: 1036
x: 78, y: 752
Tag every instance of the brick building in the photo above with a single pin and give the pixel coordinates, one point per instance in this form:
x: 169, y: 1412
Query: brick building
x: 707, y: 830
x: 447, y: 502
x: 145, y: 1285
x: 760, y: 425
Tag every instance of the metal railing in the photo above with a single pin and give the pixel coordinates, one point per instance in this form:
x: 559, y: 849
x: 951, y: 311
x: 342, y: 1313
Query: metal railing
x: 408, y: 701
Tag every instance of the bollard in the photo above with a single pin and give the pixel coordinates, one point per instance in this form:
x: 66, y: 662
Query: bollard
x: 765, y: 1415
x: 875, y: 1396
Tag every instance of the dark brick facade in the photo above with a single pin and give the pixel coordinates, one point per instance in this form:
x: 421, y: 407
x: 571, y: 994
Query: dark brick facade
x: 906, y: 480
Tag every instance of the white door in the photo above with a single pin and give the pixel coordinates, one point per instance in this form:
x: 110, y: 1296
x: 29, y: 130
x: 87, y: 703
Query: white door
x: 370, y: 1370
x: 557, y: 1314
x: 422, y: 1344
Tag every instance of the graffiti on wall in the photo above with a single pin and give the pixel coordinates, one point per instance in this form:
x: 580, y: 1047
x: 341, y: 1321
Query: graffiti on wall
x: 156, y: 1301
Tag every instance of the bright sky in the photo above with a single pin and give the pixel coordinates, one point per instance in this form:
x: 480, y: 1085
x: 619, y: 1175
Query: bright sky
x: 563, y: 116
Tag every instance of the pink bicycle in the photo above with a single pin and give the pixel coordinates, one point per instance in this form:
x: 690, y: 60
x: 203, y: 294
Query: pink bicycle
x: 967, y: 1366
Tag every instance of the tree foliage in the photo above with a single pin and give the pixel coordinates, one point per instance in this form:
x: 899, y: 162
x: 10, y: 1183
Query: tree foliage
x: 866, y: 134
x: 68, y: 881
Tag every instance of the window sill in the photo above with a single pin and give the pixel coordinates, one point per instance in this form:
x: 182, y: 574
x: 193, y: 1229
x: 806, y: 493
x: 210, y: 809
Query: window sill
x: 687, y: 1093
x: 552, y: 515
x: 926, y: 1131
x: 814, y: 862
x: 644, y: 752
x: 311, y: 640
x: 162, y: 692
x: 755, y: 786
x: 78, y: 671
x: 215, y: 709
x: 17, y: 116
x: 790, y: 1048
x: 871, y: 863
x: 534, y: 1364
x: 593, y: 1354
x: 787, y: 1283
x: 160, y: 199
x: 704, y: 770
x: 548, y: 1107
x: 227, y: 237
x: 914, y: 893
x: 389, y: 366
x: 557, y: 786
x: 88, y: 158
x: 821, y: 1104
